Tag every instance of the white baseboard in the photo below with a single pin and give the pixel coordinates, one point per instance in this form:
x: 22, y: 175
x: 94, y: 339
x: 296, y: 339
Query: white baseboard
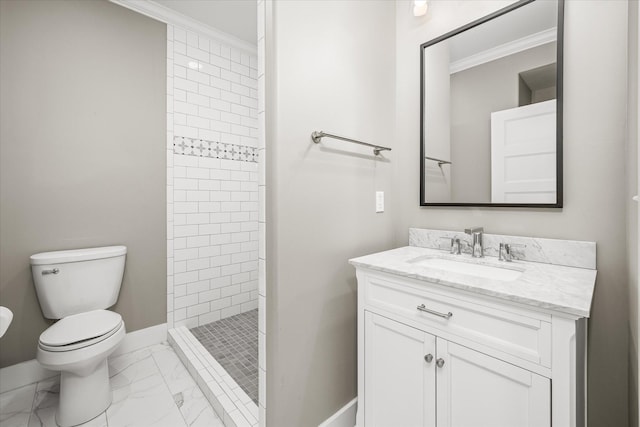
x: 29, y: 372
x: 345, y: 417
x: 21, y: 374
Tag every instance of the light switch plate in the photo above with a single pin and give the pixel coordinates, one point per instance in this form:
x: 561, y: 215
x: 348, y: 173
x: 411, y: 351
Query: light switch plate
x: 379, y: 201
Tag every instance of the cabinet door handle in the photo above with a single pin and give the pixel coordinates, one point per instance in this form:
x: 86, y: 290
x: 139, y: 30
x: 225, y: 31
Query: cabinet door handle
x: 428, y: 358
x: 422, y: 307
x: 440, y: 362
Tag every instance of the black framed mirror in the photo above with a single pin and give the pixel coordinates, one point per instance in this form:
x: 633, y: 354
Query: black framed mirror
x: 491, y: 110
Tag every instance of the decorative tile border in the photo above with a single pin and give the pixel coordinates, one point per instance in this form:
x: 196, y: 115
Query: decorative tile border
x: 228, y: 400
x: 570, y: 253
x: 215, y: 150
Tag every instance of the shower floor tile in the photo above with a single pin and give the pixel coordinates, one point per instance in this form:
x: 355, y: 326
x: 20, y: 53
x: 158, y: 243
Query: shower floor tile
x: 233, y: 342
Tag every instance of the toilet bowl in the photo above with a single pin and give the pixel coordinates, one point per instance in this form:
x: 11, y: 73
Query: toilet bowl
x: 78, y: 347
x: 77, y: 287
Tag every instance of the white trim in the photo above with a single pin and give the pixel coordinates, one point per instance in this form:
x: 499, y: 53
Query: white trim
x: 21, y: 374
x: 527, y: 42
x: 169, y: 16
x: 29, y: 372
x: 638, y: 210
x: 229, y: 401
x: 345, y: 417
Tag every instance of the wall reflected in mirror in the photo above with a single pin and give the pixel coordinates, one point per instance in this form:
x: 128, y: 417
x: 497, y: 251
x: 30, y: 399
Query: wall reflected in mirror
x: 490, y: 101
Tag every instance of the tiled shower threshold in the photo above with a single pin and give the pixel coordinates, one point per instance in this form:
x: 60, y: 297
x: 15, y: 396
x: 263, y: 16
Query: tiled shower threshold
x: 233, y: 342
x: 227, y: 398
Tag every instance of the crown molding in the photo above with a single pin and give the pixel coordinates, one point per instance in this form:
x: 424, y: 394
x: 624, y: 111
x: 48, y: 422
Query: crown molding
x: 169, y: 16
x: 524, y: 43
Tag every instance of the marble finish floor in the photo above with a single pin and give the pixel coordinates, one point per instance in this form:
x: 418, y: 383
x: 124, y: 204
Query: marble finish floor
x: 151, y: 387
x: 233, y: 342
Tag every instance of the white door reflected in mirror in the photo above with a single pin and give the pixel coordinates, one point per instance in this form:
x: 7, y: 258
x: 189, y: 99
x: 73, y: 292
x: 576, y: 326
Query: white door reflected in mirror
x: 523, y: 154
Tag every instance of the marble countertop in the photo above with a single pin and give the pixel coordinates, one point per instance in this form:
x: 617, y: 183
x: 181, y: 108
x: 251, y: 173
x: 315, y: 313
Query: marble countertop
x: 553, y: 287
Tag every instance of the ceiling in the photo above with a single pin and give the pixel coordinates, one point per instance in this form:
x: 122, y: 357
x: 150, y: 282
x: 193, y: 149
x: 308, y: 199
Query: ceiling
x: 522, y: 22
x: 235, y: 17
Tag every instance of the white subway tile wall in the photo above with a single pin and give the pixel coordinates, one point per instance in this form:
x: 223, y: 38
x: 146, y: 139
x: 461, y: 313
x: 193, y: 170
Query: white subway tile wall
x: 212, y: 187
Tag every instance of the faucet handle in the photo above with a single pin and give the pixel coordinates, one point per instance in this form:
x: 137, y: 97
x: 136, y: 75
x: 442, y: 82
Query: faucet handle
x: 455, y: 244
x: 505, y: 253
x: 473, y: 230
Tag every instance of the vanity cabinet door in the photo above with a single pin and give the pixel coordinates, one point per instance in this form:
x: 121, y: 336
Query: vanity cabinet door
x: 399, y: 381
x: 476, y: 390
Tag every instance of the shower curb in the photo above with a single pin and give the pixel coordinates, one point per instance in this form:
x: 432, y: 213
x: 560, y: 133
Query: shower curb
x: 229, y: 401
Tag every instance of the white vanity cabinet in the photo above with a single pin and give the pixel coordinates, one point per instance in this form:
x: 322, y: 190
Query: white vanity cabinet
x: 400, y: 389
x: 433, y: 356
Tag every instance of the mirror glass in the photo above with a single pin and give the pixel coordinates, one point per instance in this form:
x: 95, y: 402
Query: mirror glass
x: 491, y: 113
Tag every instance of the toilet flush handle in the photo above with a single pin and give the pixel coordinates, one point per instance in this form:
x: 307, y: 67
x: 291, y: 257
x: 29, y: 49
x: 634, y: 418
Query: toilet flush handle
x: 54, y: 271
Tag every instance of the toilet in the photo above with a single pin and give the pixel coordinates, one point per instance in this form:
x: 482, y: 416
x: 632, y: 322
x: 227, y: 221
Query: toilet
x: 78, y: 286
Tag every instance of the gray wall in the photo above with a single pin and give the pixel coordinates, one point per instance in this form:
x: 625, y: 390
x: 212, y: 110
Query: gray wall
x: 437, y: 122
x: 330, y: 66
x: 632, y: 211
x: 82, y: 152
x: 475, y: 94
x: 595, y: 93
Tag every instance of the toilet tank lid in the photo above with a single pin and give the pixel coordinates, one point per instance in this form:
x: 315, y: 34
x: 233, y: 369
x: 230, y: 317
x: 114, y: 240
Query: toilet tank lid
x: 75, y: 255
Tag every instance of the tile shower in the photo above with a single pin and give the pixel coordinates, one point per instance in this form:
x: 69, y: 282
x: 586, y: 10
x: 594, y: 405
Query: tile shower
x: 212, y: 218
x: 233, y: 342
x: 212, y: 179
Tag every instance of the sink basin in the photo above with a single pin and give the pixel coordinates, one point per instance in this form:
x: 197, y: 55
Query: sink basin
x: 6, y: 316
x: 469, y: 268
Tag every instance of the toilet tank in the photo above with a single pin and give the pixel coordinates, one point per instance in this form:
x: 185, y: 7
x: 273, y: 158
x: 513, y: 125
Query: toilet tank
x: 78, y: 280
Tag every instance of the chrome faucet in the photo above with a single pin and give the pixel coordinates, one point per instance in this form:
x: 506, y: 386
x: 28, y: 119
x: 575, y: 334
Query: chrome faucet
x: 454, y: 242
x: 505, y: 252
x: 477, y: 250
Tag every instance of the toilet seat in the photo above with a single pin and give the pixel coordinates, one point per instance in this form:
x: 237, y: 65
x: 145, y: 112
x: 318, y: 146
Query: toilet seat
x: 80, y: 330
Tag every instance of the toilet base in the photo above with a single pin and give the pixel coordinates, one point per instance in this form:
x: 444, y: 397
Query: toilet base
x: 83, y: 397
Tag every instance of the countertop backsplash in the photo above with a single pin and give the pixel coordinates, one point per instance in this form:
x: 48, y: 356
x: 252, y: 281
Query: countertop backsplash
x: 570, y: 253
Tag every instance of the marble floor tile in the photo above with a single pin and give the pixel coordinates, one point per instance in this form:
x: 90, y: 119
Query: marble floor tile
x: 131, y: 367
x: 45, y: 405
x: 146, y: 402
x: 174, y: 372
x: 15, y: 406
x: 160, y: 347
x: 151, y: 387
x: 195, y: 409
x: 46, y: 418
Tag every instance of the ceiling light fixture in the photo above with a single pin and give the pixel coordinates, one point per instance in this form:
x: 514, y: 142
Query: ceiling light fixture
x: 420, y: 7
